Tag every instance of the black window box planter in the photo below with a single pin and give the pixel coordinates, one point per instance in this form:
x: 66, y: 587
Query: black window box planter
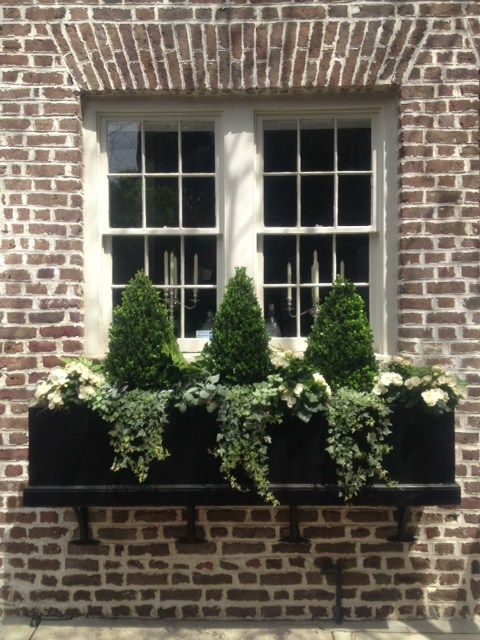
x: 70, y: 459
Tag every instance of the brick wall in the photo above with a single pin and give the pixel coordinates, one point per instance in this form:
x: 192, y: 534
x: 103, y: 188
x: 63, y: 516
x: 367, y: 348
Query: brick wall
x: 54, y: 53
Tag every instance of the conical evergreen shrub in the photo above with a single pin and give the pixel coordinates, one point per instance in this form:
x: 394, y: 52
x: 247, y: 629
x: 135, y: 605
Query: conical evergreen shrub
x: 238, y: 350
x: 142, y: 351
x: 341, y: 342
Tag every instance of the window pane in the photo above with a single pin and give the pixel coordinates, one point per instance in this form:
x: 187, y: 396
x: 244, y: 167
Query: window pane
x: 198, y: 202
x: 307, y: 300
x: 280, y: 201
x: 365, y: 294
x: 323, y: 246
x: 317, y: 145
x: 278, y: 252
x: 161, y: 147
x: 124, y: 147
x: 125, y: 202
x: 354, y: 145
x: 127, y: 258
x: 117, y: 297
x: 354, y: 200
x: 205, y: 248
x: 353, y: 252
x: 175, y: 295
x: 198, y: 147
x: 197, y: 319
x: 280, y: 145
x: 317, y: 201
x: 162, y: 251
x: 278, y: 298
x: 162, y: 202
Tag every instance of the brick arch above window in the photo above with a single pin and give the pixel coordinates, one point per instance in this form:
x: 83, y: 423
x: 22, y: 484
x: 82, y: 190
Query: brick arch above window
x: 246, y: 48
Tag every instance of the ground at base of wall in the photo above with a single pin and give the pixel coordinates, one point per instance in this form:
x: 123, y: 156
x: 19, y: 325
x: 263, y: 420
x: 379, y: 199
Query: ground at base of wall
x: 103, y: 629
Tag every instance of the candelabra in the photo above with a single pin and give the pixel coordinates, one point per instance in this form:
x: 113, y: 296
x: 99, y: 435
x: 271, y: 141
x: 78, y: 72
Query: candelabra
x: 172, y: 300
x: 314, y: 309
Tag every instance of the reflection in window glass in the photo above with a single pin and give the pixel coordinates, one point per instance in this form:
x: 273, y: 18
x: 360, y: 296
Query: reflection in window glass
x: 278, y: 298
x: 354, y: 145
x: 352, y: 251
x: 162, y: 202
x: 323, y: 246
x: 198, y: 202
x: 161, y: 147
x: 197, y: 319
x: 125, y: 202
x: 317, y: 145
x: 280, y: 201
x: 280, y: 145
x: 317, y: 201
x: 124, y: 147
x: 127, y: 258
x: 278, y: 252
x: 198, y: 147
x: 205, y: 248
x: 354, y: 200
x: 164, y: 260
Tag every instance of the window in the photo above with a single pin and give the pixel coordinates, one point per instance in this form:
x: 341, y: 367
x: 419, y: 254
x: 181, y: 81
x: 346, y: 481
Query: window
x: 295, y: 191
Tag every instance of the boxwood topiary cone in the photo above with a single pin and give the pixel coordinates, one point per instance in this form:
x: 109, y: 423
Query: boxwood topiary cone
x: 238, y: 351
x: 142, y: 351
x: 341, y: 342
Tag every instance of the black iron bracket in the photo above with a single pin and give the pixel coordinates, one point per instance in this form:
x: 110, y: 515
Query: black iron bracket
x: 337, y: 571
x: 403, y: 517
x: 294, y: 536
x: 83, y: 528
x: 191, y: 537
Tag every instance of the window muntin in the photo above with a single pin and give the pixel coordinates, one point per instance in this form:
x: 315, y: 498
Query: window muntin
x: 162, y: 213
x: 318, y: 216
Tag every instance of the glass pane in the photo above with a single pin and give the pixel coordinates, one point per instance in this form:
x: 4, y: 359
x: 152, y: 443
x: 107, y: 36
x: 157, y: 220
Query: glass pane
x: 280, y: 201
x: 125, y: 202
x: 161, y: 147
x: 354, y: 145
x: 353, y: 252
x: 198, y: 147
x: 127, y: 257
x: 278, y: 298
x: 164, y: 263
x: 317, y: 145
x: 205, y: 248
x: 280, y: 145
x: 278, y: 252
x: 175, y: 296
x: 124, y: 149
x: 317, y: 201
x: 117, y: 297
x: 308, y: 297
x: 354, y: 200
x: 162, y: 202
x: 198, y: 318
x: 198, y: 202
x: 323, y: 246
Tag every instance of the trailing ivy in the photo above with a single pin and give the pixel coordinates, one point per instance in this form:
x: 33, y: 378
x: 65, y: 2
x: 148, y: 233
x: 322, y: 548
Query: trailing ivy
x: 358, y: 426
x: 242, y: 442
x: 139, y: 419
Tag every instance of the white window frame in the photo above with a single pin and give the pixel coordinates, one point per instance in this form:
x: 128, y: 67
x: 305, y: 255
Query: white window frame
x: 239, y: 201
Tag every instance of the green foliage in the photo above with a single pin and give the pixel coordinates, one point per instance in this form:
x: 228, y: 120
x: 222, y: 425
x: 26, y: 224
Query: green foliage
x: 139, y: 419
x: 341, y: 342
x: 243, y: 440
x: 358, y: 425
x: 143, y: 352
x: 207, y: 393
x: 238, y: 351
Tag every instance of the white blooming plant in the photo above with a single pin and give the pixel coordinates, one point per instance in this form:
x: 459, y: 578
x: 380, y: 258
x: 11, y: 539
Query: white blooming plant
x: 79, y: 382
x: 302, y: 391
x: 404, y: 383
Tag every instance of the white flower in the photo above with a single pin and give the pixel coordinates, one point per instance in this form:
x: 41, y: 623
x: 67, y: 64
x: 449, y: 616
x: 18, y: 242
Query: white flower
x: 432, y: 396
x: 55, y: 400
x: 298, y: 390
x: 290, y: 401
x: 412, y: 382
x: 379, y: 389
x: 85, y: 392
x: 319, y: 379
x: 427, y: 379
x: 401, y: 360
x: 43, y: 389
x: 438, y: 368
x: 387, y: 379
x: 448, y: 380
x: 59, y: 376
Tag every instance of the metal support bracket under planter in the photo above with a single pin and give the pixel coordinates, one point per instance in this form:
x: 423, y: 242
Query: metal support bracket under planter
x: 294, y: 536
x: 403, y: 517
x: 84, y: 531
x: 191, y: 537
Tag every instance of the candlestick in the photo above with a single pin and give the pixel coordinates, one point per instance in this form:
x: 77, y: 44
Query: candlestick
x: 315, y: 277
x: 172, y: 267
x: 165, y: 268
x: 342, y: 268
x: 175, y: 270
x: 289, y: 280
x: 195, y: 269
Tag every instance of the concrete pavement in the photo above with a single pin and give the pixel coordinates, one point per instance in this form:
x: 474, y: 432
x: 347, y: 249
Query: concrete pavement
x: 102, y: 629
